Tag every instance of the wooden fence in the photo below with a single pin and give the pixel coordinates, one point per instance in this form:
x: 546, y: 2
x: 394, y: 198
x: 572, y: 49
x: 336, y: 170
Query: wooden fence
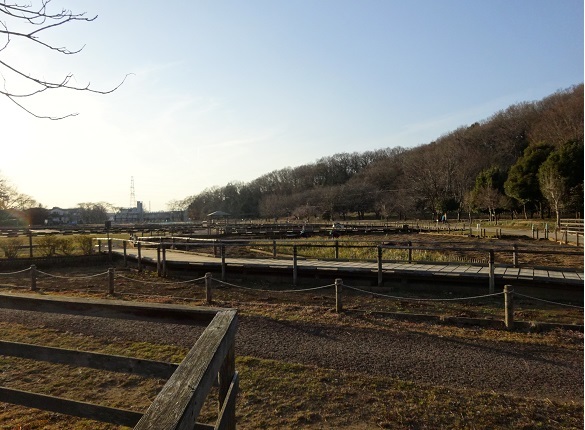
x: 179, y: 402
x: 408, y: 249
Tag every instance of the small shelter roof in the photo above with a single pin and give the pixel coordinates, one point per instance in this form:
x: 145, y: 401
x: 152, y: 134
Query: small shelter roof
x: 217, y: 214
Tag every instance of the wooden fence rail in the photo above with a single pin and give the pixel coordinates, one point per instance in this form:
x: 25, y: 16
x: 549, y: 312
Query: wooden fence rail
x: 178, y: 404
x: 377, y: 255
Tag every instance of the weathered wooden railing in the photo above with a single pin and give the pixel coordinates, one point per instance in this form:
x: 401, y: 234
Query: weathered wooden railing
x: 178, y: 404
x: 571, y: 231
x: 409, y: 251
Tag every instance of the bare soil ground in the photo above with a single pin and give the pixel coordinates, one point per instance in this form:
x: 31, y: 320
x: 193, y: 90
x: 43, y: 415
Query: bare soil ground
x: 532, y: 367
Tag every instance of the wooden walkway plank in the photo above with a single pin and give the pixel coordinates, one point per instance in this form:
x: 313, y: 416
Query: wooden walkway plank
x: 471, y: 271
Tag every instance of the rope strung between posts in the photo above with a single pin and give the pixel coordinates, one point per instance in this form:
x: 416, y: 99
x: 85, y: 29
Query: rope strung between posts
x: 548, y: 301
x: 72, y: 277
x: 421, y: 300
x: 15, y: 273
x: 274, y: 291
x: 158, y: 282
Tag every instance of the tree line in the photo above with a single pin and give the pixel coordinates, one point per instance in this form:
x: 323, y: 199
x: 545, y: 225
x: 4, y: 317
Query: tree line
x: 525, y: 161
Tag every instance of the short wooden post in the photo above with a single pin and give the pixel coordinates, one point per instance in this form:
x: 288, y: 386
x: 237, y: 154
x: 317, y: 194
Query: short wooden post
x: 125, y: 244
x: 158, y: 262
x: 99, y: 246
x: 338, y: 300
x: 508, y: 307
x: 225, y: 377
x: 409, y: 251
x: 337, y: 250
x: 110, y: 249
x: 223, y: 267
x: 111, y: 280
x: 515, y: 255
x: 208, y: 288
x: 274, y: 249
x: 294, y: 265
x: 139, y: 246
x: 492, y: 272
x: 33, y: 277
x: 30, y: 245
x: 164, y: 261
x: 380, y: 278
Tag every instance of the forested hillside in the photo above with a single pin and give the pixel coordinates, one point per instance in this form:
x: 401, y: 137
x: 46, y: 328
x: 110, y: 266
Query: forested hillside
x: 526, y: 161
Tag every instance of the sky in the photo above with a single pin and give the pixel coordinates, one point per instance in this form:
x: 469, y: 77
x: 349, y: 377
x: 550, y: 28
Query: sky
x: 225, y: 90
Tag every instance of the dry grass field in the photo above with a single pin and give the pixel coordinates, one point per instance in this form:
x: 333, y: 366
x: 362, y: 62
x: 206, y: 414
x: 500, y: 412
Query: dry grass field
x: 304, y: 366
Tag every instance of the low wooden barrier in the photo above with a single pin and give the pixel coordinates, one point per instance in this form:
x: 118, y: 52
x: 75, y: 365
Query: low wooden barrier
x: 377, y: 250
x: 178, y: 404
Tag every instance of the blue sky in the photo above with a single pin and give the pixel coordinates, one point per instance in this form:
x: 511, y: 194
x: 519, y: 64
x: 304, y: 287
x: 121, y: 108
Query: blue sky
x: 226, y: 91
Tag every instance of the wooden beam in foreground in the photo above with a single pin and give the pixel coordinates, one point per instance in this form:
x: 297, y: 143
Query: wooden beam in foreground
x: 112, y: 363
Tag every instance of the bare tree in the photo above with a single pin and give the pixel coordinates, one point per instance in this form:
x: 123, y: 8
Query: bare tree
x: 29, y: 22
x: 10, y: 198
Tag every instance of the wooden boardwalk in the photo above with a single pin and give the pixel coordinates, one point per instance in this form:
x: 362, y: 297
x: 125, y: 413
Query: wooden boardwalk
x: 341, y: 268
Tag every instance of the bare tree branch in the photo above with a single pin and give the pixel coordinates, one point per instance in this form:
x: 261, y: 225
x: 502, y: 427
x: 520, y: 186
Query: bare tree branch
x: 39, y: 19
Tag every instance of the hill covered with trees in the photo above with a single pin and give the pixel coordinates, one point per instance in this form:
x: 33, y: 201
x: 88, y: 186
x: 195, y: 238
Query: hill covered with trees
x: 526, y: 160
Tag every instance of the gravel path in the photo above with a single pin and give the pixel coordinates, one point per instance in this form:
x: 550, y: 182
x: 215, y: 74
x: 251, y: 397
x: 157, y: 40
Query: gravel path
x: 503, y: 367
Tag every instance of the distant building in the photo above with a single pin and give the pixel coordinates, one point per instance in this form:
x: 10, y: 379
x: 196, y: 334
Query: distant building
x: 137, y: 215
x: 58, y: 216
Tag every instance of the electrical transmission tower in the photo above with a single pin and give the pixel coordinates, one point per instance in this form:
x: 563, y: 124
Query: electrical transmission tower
x: 132, y: 195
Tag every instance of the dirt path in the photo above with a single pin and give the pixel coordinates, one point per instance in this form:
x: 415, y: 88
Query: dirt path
x: 512, y: 368
x: 502, y: 367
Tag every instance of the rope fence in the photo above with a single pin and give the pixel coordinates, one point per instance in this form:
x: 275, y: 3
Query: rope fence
x: 338, y: 286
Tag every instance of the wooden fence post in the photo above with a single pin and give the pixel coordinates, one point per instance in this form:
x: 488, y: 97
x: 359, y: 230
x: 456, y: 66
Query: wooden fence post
x: 208, y: 288
x: 337, y: 250
x: 33, y: 277
x: 294, y: 265
x: 158, y: 262
x: 515, y: 255
x: 164, y: 261
x: 492, y: 282
x: 274, y: 249
x: 99, y: 246
x: 338, y: 300
x: 225, y: 377
x: 110, y: 249
x: 30, y: 245
x: 380, y: 277
x: 111, y: 280
x: 139, y: 246
x: 509, y: 307
x: 222, y: 250
x: 125, y: 256
x: 409, y: 251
